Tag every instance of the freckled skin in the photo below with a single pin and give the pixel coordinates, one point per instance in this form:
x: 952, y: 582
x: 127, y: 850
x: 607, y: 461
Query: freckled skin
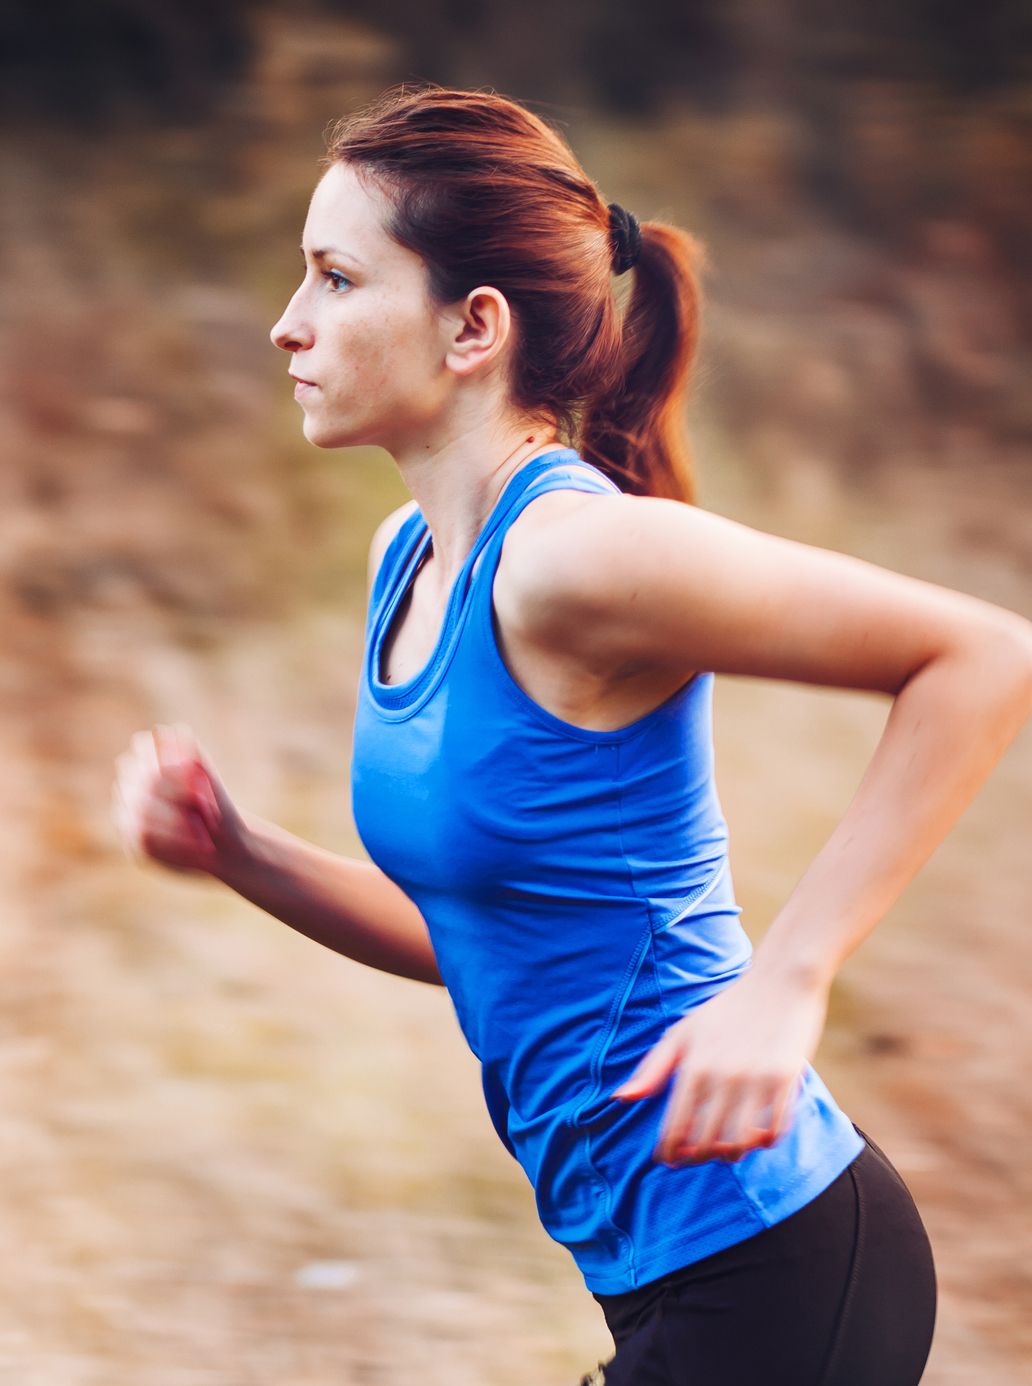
x: 368, y: 335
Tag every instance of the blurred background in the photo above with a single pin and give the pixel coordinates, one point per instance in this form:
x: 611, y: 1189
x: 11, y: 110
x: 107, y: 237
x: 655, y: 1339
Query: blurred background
x: 231, y: 1157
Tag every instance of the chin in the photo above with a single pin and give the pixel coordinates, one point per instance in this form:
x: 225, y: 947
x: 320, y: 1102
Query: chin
x: 321, y: 437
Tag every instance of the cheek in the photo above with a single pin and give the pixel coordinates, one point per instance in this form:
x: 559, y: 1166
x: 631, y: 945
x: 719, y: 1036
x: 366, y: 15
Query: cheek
x: 395, y: 357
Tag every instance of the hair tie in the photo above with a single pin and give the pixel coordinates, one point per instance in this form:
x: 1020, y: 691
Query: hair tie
x: 625, y: 233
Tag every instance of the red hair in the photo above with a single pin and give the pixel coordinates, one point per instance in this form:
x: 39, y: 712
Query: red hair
x: 486, y: 192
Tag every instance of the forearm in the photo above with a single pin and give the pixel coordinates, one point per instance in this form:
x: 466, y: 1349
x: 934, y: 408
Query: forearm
x: 947, y: 727
x: 344, y: 903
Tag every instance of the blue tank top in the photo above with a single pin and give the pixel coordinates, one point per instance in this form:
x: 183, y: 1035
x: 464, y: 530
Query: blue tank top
x: 577, y: 891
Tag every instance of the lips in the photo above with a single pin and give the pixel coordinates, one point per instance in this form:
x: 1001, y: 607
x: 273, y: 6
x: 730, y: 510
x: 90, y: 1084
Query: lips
x: 300, y: 379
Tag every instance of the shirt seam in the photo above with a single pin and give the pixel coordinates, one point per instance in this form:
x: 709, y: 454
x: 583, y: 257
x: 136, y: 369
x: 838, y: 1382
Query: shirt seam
x: 630, y: 1249
x: 627, y: 983
x: 643, y: 949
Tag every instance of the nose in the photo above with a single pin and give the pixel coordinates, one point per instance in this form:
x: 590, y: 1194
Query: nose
x: 290, y: 332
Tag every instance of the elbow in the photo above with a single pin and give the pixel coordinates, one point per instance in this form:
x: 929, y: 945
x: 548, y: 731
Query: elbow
x: 1009, y: 637
x: 1021, y: 639
x: 994, y: 648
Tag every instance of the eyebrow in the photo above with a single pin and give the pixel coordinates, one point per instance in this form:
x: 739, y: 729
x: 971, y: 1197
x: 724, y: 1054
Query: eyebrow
x: 329, y: 250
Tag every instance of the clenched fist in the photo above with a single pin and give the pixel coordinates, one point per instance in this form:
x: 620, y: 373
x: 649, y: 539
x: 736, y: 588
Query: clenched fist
x: 170, y: 806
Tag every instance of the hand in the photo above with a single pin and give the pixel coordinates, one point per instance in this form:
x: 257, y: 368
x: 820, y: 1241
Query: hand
x: 743, y: 1051
x: 170, y: 806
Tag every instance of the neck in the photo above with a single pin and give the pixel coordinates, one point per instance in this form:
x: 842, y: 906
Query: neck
x: 456, y: 496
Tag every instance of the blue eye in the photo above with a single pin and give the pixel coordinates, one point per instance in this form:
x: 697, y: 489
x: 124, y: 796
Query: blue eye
x: 334, y: 275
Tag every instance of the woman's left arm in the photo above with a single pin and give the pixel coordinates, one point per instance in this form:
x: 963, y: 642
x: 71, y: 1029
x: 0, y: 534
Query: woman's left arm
x: 628, y: 578
x: 947, y: 727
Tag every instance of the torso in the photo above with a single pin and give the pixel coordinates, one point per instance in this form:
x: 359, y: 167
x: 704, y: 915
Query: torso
x: 551, y: 677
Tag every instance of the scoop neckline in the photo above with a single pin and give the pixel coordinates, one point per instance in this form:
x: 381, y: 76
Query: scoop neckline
x: 400, y: 700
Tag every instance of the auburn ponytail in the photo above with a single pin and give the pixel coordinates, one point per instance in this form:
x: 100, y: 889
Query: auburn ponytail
x: 636, y: 432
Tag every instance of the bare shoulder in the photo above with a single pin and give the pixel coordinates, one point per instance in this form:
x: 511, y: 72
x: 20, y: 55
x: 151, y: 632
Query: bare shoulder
x: 384, y: 533
x: 639, y: 581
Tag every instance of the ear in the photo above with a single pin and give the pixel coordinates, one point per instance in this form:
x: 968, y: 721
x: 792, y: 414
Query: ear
x: 477, y: 330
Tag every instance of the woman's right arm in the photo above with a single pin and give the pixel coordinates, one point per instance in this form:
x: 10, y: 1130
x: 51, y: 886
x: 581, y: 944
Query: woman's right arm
x: 171, y: 807
x: 349, y: 905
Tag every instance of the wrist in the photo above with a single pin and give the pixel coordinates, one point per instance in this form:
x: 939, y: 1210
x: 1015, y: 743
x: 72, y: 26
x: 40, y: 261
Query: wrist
x: 792, y: 971
x: 240, y: 855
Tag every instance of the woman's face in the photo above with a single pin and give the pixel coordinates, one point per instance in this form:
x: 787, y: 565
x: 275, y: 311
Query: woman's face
x: 361, y: 327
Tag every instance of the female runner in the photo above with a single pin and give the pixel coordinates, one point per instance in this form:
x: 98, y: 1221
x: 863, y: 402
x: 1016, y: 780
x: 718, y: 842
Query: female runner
x: 532, y: 769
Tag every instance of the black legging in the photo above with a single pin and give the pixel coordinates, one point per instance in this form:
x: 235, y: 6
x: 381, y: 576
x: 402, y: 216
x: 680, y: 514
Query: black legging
x: 841, y: 1293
